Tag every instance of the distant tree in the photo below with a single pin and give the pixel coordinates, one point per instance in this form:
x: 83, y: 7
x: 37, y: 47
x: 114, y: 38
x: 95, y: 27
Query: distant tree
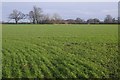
x: 96, y: 20
x: 114, y: 20
x: 90, y: 21
x: 79, y: 20
x: 36, y: 15
x: 31, y: 17
x: 16, y: 15
x: 70, y: 21
x: 108, y: 19
x: 46, y: 18
x: 56, y: 18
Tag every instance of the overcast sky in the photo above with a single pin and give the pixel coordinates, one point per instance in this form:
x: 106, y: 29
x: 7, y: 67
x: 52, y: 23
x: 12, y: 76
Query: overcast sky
x: 67, y: 10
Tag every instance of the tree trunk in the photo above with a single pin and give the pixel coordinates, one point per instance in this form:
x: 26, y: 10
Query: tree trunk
x: 16, y: 21
x: 33, y: 21
x: 37, y: 21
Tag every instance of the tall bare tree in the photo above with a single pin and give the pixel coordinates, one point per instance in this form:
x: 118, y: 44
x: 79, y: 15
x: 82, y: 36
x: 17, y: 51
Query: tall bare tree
x: 108, y: 19
x: 37, y: 14
x: 90, y: 21
x: 31, y: 17
x: 96, y: 20
x: 79, y: 20
x: 16, y: 15
x: 46, y: 18
x: 56, y: 18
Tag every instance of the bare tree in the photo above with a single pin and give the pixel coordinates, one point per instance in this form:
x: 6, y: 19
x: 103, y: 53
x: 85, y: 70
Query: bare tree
x: 93, y: 21
x: 96, y: 20
x: 114, y: 20
x: 89, y: 21
x: 31, y: 17
x: 108, y: 19
x: 56, y: 18
x: 16, y: 15
x: 70, y: 21
x: 37, y: 14
x: 46, y: 18
x: 79, y: 20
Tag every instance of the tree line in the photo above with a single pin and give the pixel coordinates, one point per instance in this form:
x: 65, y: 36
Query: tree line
x: 36, y: 16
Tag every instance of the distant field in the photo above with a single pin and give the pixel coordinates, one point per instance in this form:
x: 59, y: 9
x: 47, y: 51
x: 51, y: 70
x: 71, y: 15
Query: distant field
x: 67, y: 51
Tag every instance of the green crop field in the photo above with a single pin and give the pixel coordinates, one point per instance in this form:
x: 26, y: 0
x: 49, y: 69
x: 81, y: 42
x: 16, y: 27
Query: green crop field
x: 62, y: 51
